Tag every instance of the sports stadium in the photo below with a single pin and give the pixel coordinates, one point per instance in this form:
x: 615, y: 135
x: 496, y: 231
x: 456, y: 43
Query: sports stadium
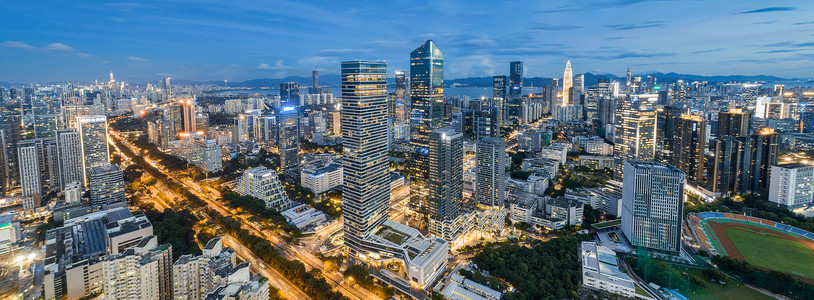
x: 765, y: 244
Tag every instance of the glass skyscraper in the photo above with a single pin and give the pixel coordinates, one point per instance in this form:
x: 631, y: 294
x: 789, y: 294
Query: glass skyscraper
x: 366, y: 187
x: 427, y: 98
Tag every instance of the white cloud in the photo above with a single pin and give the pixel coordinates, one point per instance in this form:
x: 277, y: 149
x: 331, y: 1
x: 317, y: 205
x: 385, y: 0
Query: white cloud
x: 58, y: 47
x: 136, y: 58
x: 83, y: 54
x: 15, y: 44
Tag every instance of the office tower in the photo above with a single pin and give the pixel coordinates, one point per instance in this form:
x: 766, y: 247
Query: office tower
x: 688, y: 144
x: 141, y: 272
x: 734, y: 123
x: 265, y: 185
x: 314, y: 89
x: 106, y: 184
x: 366, y: 187
x: 567, y: 84
x: 652, y: 205
x: 593, y: 101
x: 166, y: 89
x: 499, y: 95
x: 729, y: 168
x: 679, y: 94
x: 491, y: 181
x: 445, y: 182
x: 427, y: 104
x: 665, y: 129
x: 579, y: 84
x: 289, y: 141
x: 486, y: 122
x: 188, y: 107
x: 69, y: 147
x: 515, y: 80
x: 202, y: 122
x: 45, y: 111
x: 792, y: 185
x: 10, y: 129
x: 93, y: 138
x: 635, y: 133
x: 764, y: 153
x: 289, y: 94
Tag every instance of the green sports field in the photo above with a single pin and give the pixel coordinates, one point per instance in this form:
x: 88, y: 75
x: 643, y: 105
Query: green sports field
x: 772, y: 251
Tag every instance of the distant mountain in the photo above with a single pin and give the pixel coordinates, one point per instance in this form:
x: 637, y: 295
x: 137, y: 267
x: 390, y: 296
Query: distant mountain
x: 324, y: 80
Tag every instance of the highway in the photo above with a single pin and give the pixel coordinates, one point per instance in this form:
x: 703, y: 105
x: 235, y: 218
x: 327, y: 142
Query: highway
x: 278, y: 280
x: 289, y: 252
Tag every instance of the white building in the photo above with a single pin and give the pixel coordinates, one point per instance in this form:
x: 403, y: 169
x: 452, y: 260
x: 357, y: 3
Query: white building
x: 593, y: 145
x: 195, y: 277
x: 792, y: 185
x: 304, y: 216
x: 206, y: 154
x: 321, y: 178
x: 263, y: 184
x: 596, y: 162
x: 424, y: 258
x: 460, y: 288
x: 600, y: 271
x: 9, y: 232
x: 73, y: 192
x: 141, y: 272
x: 558, y: 154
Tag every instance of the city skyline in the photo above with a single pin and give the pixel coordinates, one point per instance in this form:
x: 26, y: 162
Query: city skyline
x: 147, y: 41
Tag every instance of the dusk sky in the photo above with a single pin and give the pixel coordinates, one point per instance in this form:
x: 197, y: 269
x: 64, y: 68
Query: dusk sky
x: 238, y: 40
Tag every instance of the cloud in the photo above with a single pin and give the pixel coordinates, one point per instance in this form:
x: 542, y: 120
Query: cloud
x: 768, y: 9
x: 765, y: 23
x: 778, y: 51
x: 58, y: 47
x: 804, y: 23
x: 136, y: 58
x: 557, y: 27
x: 340, y: 52
x: 278, y: 66
x: 476, y: 43
x: 19, y: 45
x: 790, y: 44
x: 83, y: 54
x: 635, y: 54
x: 635, y: 26
x: 708, y: 51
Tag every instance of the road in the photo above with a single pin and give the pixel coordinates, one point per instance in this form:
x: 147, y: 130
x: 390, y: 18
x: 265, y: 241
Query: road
x: 279, y: 281
x: 288, y: 251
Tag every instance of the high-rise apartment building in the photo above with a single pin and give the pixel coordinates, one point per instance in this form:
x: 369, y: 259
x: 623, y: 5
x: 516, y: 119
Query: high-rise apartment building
x: 734, y: 123
x: 188, y: 107
x: 490, y: 190
x: 729, y: 168
x: 70, y: 156
x: 141, y: 272
x: 366, y: 185
x: 93, y: 137
x: 652, y: 205
x: 445, y: 182
x: 688, y: 145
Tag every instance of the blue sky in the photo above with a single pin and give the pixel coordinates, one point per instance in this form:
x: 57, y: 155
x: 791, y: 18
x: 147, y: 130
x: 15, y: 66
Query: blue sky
x: 239, y: 40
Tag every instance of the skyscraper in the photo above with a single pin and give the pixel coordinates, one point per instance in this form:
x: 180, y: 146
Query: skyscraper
x: 445, y: 182
x: 188, y: 108
x: 652, y: 205
x: 729, y: 168
x: 166, y: 89
x: 366, y: 188
x: 764, y: 154
x: 567, y: 84
x: 515, y: 80
x: 289, y: 94
x: 499, y: 96
x: 30, y: 157
x: 491, y: 181
x: 289, y: 141
x: 688, y: 145
x: 635, y: 132
x: 665, y: 131
x: 734, y: 123
x: 93, y: 135
x: 69, y: 145
x: 427, y: 98
x: 10, y: 130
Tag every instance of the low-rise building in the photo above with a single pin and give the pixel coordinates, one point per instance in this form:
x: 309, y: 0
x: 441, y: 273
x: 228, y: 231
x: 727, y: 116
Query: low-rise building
x: 594, y: 145
x: 601, y: 271
x: 304, y: 216
x: 425, y: 258
x: 460, y: 288
x: 320, y: 178
x: 9, y: 232
x: 596, y: 162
